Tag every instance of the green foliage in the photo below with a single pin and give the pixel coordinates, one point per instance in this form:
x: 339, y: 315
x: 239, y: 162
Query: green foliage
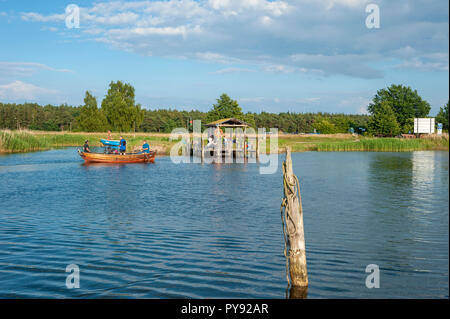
x: 20, y: 141
x: 120, y: 109
x: 324, y: 127
x: 305, y: 122
x: 36, y: 117
x: 383, y: 121
x: 383, y: 145
x: 405, y: 102
x: 442, y: 116
x: 249, y: 118
x: 118, y: 105
x: 225, y: 108
x: 91, y: 118
x: 56, y: 118
x: 166, y: 120
x: 341, y: 124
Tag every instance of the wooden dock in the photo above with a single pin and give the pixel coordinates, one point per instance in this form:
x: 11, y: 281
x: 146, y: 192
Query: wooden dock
x: 239, y: 143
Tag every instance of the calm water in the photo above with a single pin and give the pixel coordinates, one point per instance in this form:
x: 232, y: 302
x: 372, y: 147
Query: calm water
x: 192, y: 230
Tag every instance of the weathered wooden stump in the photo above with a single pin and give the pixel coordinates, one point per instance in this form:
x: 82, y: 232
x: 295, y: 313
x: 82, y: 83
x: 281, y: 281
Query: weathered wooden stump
x: 292, y: 220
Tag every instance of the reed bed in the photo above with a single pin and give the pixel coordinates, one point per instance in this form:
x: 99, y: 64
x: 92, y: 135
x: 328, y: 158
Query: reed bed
x: 20, y: 141
x: 26, y: 141
x: 384, y: 145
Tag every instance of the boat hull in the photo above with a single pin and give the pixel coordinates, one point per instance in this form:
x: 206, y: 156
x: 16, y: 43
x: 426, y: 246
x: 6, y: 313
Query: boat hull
x: 116, y: 158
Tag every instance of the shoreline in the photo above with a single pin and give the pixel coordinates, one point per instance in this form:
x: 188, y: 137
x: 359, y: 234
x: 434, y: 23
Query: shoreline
x: 25, y: 141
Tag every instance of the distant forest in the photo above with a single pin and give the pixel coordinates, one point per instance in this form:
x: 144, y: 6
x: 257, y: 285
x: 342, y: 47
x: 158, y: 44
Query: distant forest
x: 64, y: 117
x: 392, y: 112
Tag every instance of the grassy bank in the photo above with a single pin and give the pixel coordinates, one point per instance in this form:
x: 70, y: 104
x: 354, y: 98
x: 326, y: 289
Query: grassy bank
x: 25, y: 141
x: 385, y: 145
x: 349, y: 143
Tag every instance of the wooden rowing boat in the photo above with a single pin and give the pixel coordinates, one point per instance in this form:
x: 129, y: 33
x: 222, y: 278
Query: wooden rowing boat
x: 117, y: 158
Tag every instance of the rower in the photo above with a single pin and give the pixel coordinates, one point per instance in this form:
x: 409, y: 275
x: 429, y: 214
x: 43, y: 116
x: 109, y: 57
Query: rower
x: 145, y: 147
x: 123, y: 146
x: 86, y: 147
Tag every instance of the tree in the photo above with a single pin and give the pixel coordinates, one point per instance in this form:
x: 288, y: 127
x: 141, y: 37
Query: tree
x: 325, y: 127
x: 442, y: 116
x: 249, y: 118
x: 383, y: 121
x: 120, y: 109
x: 405, y: 102
x: 91, y: 118
x: 341, y: 123
x: 225, y: 108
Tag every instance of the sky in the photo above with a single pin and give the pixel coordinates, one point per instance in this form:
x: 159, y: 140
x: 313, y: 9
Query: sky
x: 272, y: 56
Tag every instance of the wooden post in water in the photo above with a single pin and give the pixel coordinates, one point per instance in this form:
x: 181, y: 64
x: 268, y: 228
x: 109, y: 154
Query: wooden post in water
x: 201, y: 148
x: 292, y: 219
x: 257, y: 147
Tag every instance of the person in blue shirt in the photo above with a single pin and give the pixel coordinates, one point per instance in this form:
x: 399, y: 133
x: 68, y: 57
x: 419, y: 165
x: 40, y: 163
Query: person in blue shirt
x: 145, y: 147
x: 123, y: 146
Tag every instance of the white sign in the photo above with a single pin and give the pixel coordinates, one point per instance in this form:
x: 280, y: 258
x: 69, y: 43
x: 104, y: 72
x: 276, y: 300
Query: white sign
x: 439, y: 128
x: 424, y: 125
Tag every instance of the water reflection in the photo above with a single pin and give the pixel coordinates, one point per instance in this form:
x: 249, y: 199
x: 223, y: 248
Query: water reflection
x: 422, y: 172
x: 298, y: 292
x: 402, y: 194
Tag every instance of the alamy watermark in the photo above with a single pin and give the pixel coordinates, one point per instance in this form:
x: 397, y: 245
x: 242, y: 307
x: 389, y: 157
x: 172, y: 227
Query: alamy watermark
x: 373, y: 279
x: 234, y: 145
x: 72, y: 16
x: 73, y: 279
x: 373, y: 19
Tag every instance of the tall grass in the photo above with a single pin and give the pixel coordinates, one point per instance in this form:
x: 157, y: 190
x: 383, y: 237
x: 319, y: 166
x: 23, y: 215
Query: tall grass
x: 25, y: 141
x: 20, y: 141
x: 60, y: 140
x: 384, y: 145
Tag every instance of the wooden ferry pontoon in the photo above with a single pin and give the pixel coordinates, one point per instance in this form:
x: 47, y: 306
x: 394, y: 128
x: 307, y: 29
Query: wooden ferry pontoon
x: 241, y: 148
x: 117, y: 158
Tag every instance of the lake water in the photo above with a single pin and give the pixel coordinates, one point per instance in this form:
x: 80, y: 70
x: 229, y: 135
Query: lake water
x: 173, y: 231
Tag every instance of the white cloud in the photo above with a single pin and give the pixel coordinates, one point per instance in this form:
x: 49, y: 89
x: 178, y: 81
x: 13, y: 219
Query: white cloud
x: 362, y: 110
x: 215, y: 58
x: 233, y: 70
x: 357, y: 104
x: 18, y: 90
x: 347, y: 64
x: 52, y: 29
x: 20, y: 69
x: 330, y: 4
x: 436, y: 62
x: 117, y: 19
x: 150, y: 31
x: 32, y: 16
x: 278, y: 68
x: 325, y: 37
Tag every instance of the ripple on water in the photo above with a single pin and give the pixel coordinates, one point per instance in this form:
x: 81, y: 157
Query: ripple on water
x: 214, y: 231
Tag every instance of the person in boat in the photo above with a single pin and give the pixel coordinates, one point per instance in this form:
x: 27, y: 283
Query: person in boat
x: 210, y: 142
x: 86, y: 148
x: 123, y: 146
x: 145, y: 147
x: 109, y: 135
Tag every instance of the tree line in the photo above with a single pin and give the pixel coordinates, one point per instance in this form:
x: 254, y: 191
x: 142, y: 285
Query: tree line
x: 391, y: 112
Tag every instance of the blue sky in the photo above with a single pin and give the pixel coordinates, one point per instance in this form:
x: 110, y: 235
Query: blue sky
x: 290, y: 55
